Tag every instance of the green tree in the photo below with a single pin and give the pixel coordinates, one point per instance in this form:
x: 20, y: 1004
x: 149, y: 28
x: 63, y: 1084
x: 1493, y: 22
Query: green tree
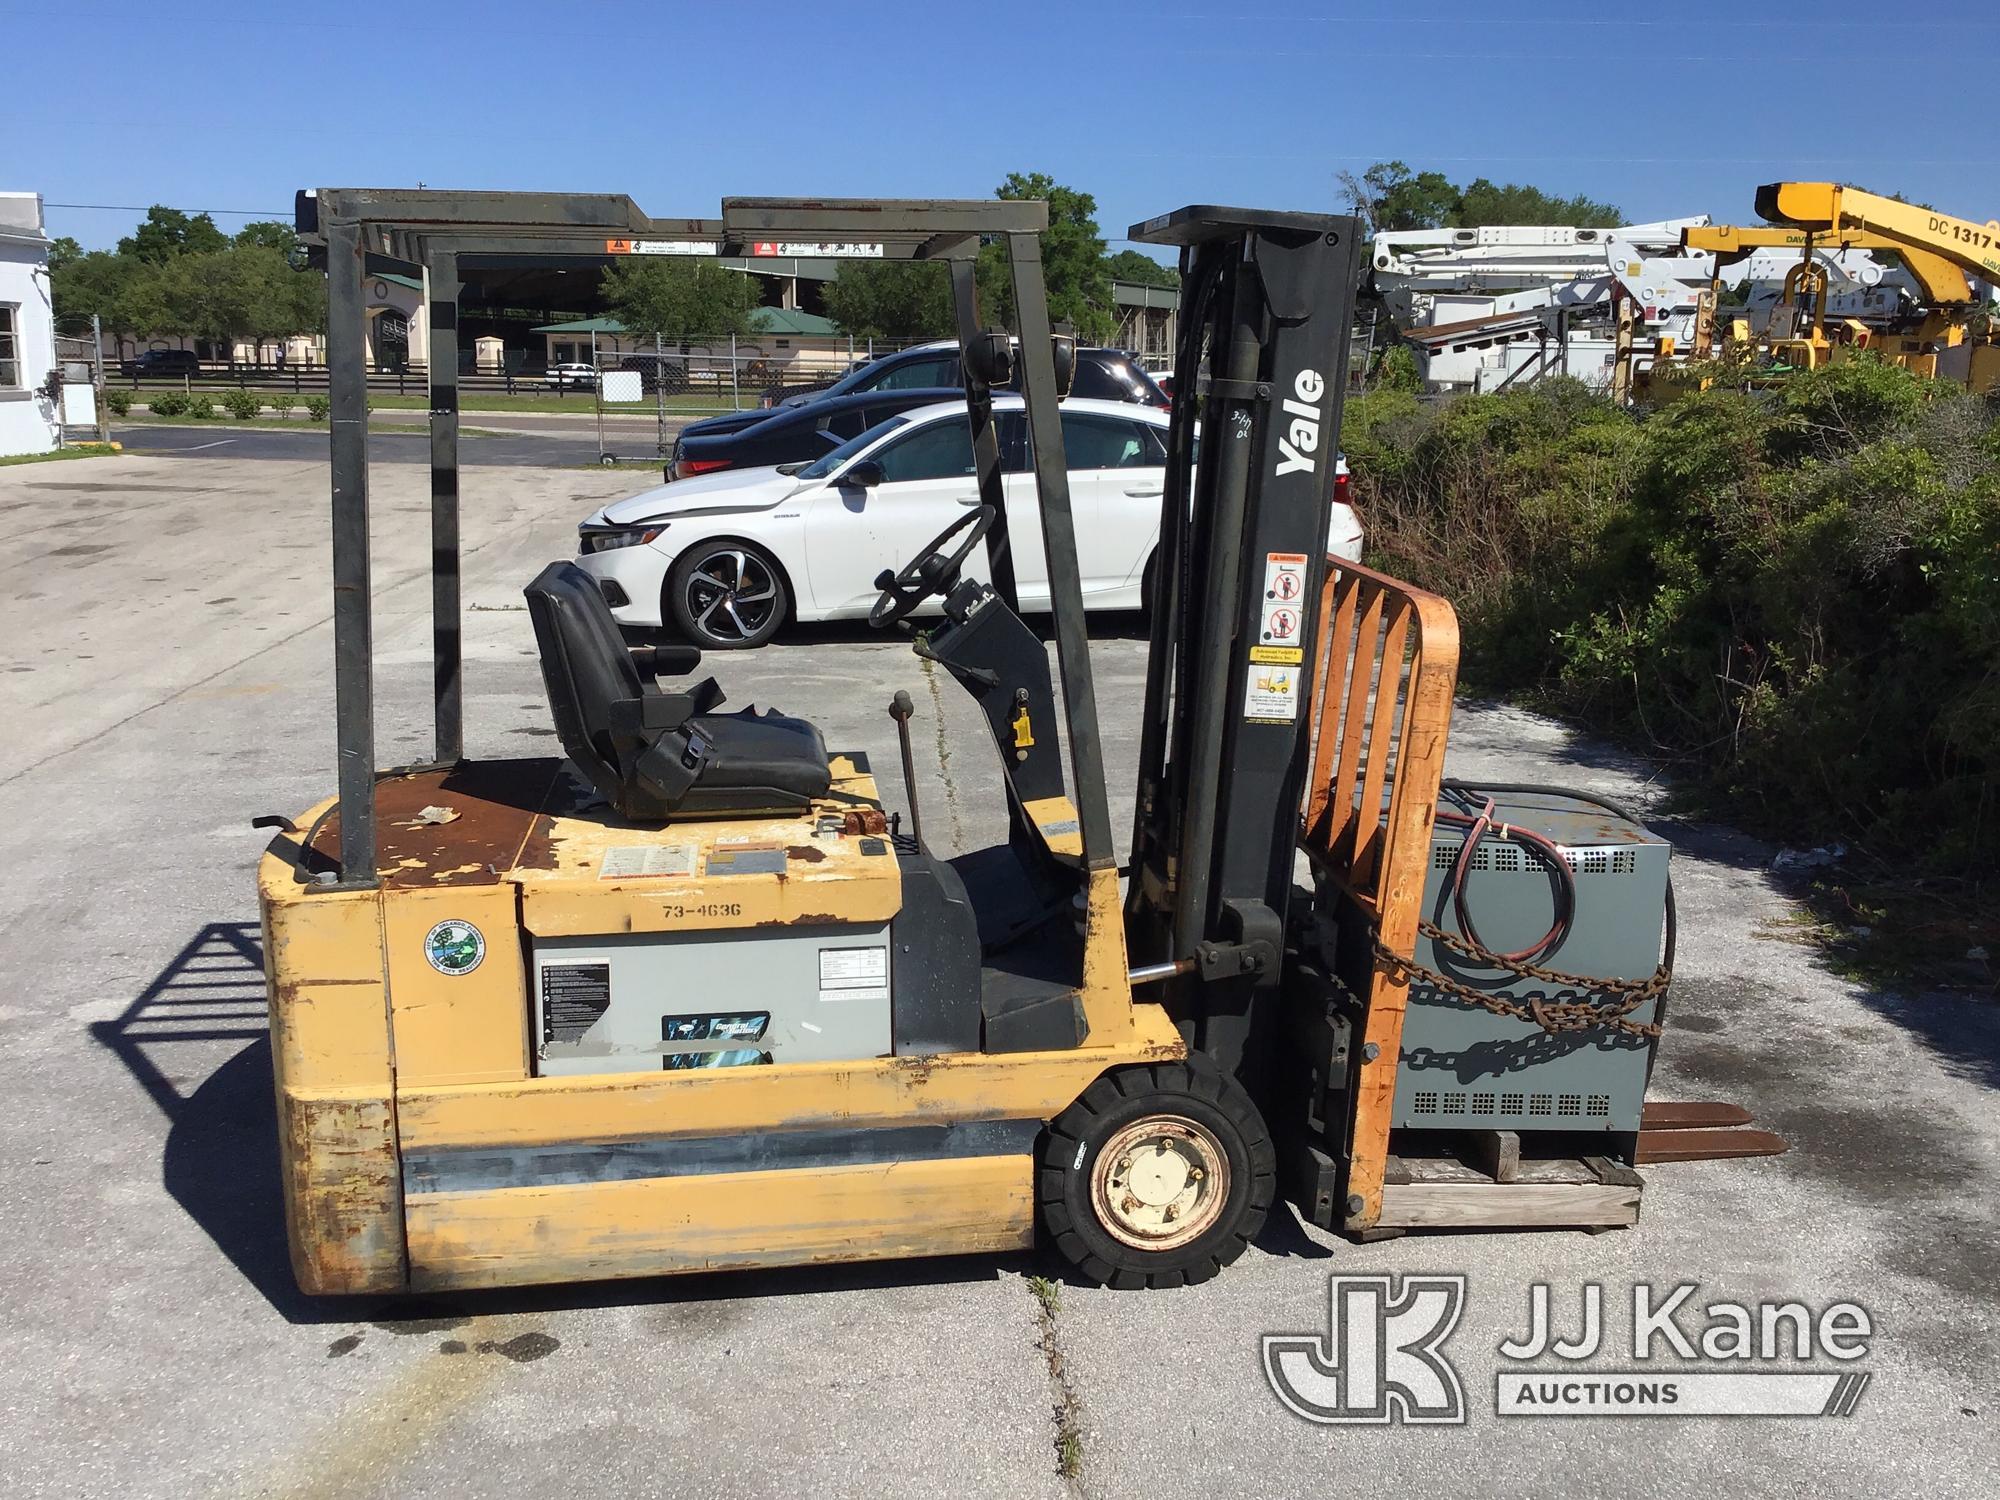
x: 1484, y: 202
x: 122, y: 290
x: 1390, y: 196
x: 1134, y: 265
x: 168, y: 232
x: 246, y: 292
x: 898, y: 299
x: 62, y: 251
x: 270, y: 234
x: 679, y: 300
x: 1073, y: 268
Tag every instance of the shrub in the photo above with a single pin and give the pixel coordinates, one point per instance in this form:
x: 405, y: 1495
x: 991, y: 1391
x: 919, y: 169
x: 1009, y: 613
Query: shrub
x: 317, y: 407
x: 118, y: 403
x: 281, y: 406
x: 1396, y: 369
x: 1792, y: 596
x: 168, y: 404
x: 242, y: 405
x: 201, y: 407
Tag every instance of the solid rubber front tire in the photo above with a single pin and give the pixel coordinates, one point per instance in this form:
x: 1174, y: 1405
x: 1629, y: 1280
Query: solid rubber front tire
x: 1194, y: 1095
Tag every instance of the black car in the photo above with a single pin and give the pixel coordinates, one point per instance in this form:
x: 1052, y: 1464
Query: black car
x: 793, y: 434
x: 1100, y: 375
x: 158, y: 362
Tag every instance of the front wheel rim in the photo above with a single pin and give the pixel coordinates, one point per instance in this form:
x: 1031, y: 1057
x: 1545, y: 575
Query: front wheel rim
x: 1160, y: 1183
x: 731, y: 596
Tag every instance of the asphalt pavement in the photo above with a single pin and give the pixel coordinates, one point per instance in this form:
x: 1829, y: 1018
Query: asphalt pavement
x: 167, y: 651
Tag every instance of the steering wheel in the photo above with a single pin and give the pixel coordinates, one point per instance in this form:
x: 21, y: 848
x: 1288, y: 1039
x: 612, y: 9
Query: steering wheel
x: 930, y: 572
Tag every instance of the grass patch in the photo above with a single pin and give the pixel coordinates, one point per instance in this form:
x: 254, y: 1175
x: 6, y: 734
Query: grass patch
x: 1069, y: 1453
x: 1047, y: 1292
x: 74, y: 450
x: 293, y: 424
x: 538, y: 401
x: 494, y: 401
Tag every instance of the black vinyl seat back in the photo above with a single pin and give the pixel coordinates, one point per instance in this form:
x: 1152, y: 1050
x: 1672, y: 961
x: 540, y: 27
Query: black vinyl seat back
x: 585, y: 667
x: 653, y: 754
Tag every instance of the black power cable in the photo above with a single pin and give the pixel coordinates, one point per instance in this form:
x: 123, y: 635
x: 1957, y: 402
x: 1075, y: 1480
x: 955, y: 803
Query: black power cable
x: 1488, y: 790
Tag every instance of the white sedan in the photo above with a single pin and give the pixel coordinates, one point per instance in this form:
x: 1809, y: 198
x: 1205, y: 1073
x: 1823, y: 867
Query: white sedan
x: 727, y: 558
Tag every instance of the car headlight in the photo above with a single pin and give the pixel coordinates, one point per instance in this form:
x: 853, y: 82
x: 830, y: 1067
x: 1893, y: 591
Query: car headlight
x: 611, y: 538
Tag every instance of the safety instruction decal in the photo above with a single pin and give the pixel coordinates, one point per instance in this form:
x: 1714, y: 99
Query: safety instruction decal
x: 1283, y: 624
x: 1271, y: 695
x: 627, y: 861
x: 574, y: 999
x: 854, y: 974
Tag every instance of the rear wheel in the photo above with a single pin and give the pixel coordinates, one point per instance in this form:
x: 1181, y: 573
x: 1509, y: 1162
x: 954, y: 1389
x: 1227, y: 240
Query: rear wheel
x: 727, y: 596
x: 1157, y: 1176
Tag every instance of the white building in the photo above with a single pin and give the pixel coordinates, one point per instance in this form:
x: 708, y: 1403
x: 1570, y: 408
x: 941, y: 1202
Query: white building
x: 27, y: 328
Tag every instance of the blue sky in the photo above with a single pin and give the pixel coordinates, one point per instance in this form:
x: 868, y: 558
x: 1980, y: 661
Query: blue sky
x: 231, y: 104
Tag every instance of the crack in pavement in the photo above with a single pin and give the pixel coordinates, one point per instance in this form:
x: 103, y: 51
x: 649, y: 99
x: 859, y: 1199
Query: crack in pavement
x: 944, y: 755
x: 1065, y: 1407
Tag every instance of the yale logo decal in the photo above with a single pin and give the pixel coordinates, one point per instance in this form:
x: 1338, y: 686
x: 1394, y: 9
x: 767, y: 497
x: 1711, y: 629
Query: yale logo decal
x: 454, y: 947
x: 1297, y: 447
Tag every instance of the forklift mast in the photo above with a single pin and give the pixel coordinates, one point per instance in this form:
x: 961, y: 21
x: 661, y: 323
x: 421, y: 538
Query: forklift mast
x: 1261, y: 367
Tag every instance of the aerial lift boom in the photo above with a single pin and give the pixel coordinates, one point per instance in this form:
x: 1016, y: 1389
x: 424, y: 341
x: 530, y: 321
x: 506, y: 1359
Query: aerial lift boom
x: 1489, y: 306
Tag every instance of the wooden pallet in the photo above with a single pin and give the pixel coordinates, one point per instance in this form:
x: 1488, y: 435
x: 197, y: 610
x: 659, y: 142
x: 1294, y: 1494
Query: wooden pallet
x: 1505, y: 1192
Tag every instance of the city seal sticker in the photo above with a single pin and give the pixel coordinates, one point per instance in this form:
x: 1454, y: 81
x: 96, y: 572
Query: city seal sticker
x: 454, y: 947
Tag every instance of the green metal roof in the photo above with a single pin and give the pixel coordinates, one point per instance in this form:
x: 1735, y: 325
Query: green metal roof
x: 762, y: 320
x: 789, y: 320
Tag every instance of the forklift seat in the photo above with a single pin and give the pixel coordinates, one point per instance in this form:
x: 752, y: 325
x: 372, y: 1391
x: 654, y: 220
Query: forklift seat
x: 655, y: 754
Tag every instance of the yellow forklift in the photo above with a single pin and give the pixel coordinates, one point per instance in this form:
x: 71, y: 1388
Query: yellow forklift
x: 691, y: 999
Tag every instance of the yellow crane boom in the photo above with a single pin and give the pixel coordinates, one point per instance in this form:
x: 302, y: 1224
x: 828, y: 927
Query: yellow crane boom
x: 1940, y: 280
x: 1821, y: 206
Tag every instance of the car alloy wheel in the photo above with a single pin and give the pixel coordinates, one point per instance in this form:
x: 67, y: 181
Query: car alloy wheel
x: 731, y: 596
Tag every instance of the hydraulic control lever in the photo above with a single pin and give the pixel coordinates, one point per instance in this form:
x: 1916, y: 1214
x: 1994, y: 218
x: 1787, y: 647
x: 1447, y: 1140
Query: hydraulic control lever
x: 900, y: 709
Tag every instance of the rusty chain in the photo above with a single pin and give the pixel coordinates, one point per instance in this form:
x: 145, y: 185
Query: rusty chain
x: 1627, y: 995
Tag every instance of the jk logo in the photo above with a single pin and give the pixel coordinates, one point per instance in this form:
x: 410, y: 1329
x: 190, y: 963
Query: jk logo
x: 1379, y: 1359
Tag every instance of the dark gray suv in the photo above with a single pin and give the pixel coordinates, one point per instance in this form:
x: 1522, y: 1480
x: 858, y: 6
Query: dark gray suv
x: 1101, y: 375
